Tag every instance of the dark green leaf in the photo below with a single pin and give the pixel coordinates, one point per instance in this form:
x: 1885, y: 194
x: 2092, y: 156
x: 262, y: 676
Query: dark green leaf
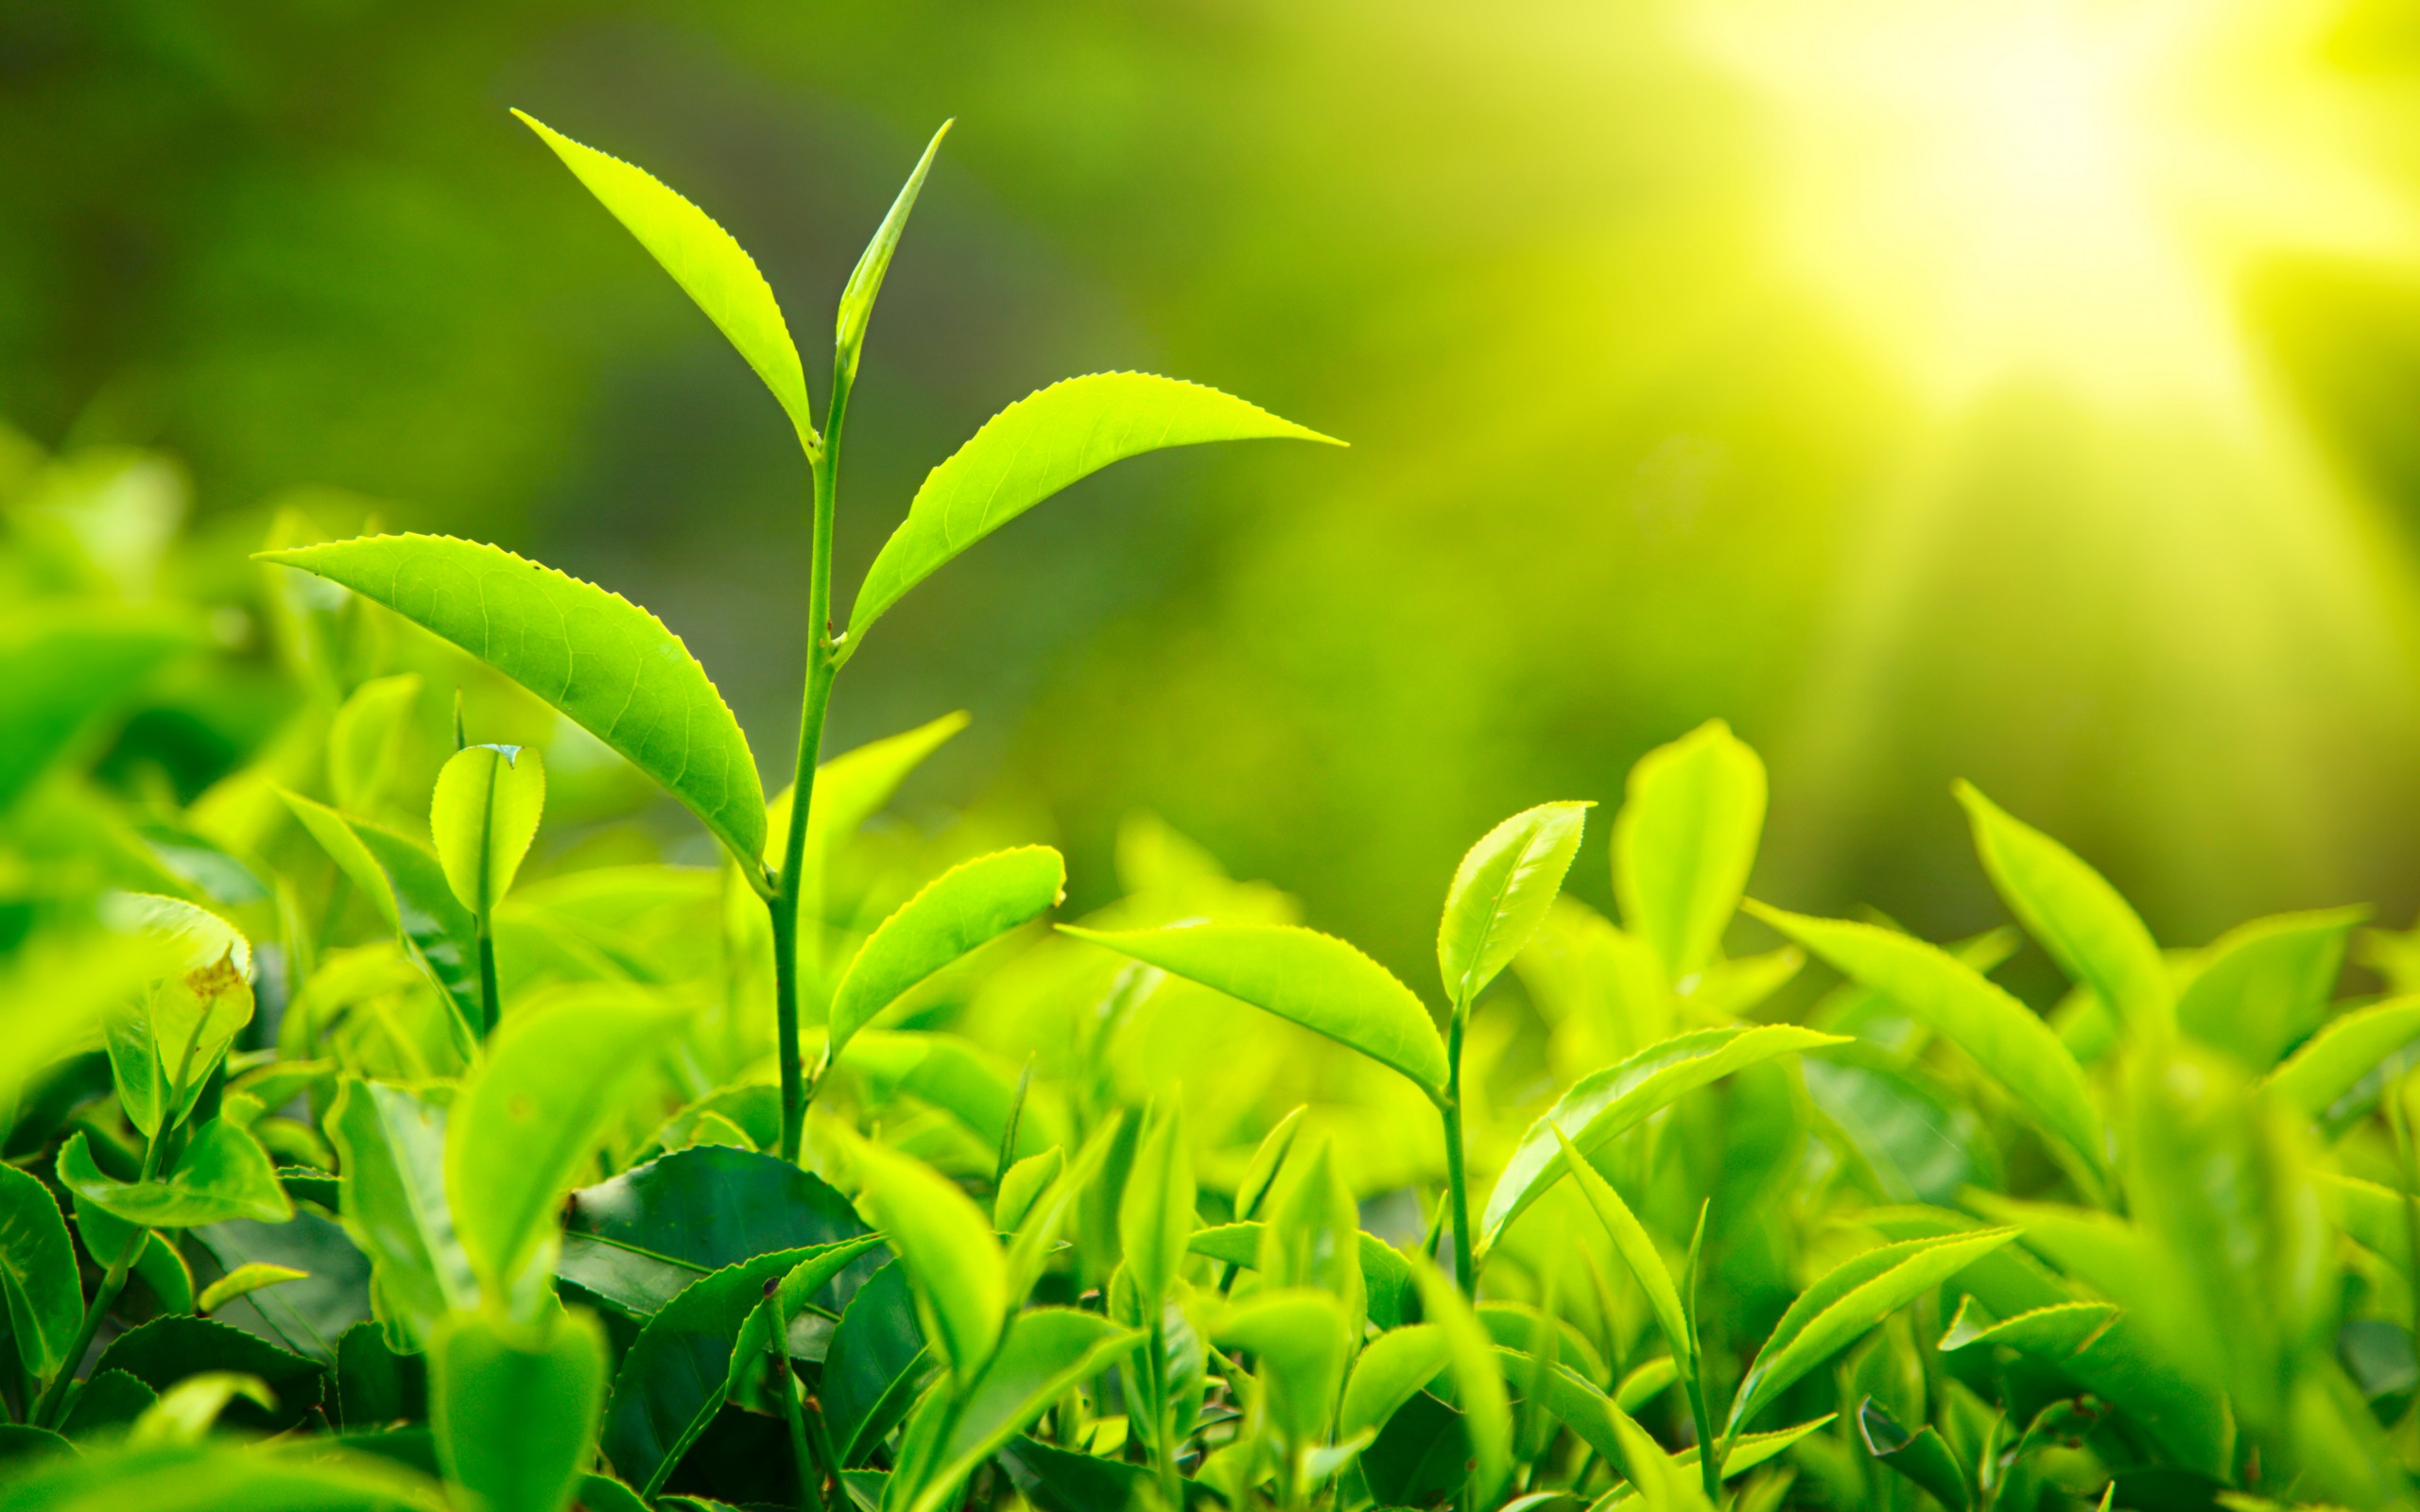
x: 673, y: 1378
x: 1921, y: 1457
x: 609, y: 665
x: 712, y: 1206
x: 375, y: 1385
x: 108, y: 1402
x: 875, y: 1366
x: 38, y: 1276
x: 167, y: 1349
x: 308, y: 1315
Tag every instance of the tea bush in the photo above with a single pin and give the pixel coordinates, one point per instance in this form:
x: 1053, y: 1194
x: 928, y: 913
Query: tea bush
x: 399, y: 1115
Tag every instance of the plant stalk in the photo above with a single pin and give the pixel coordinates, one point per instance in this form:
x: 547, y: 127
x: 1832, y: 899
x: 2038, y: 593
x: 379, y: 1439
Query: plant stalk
x: 1162, y: 1420
x: 785, y: 1383
x: 1457, y: 1180
x: 491, y: 996
x: 112, y: 1282
x: 821, y: 663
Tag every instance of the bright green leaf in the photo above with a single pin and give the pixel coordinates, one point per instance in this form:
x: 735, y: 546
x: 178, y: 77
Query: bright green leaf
x: 1315, y: 980
x: 2007, y: 1040
x: 484, y: 815
x: 1391, y: 1371
x: 366, y: 741
x: 1604, y: 1103
x: 1044, y: 1354
x: 610, y: 666
x: 391, y: 1195
x: 2080, y: 919
x: 529, y: 1118
x: 1478, y: 1384
x: 1501, y: 892
x: 1037, y: 446
x: 1300, y: 1339
x: 960, y: 1277
x: 2342, y: 1055
x: 514, y: 1408
x: 1638, y: 1252
x: 865, y: 279
x: 967, y: 906
x: 223, y: 1173
x: 705, y: 260
x: 404, y: 881
x: 2262, y: 986
x: 1838, y: 1310
x: 243, y: 1282
x: 1155, y: 1214
x: 1685, y: 841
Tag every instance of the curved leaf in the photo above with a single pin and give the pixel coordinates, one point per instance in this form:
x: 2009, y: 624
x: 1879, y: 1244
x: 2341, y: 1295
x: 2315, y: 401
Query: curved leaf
x: 530, y: 1116
x: 1155, y: 1214
x: 865, y: 279
x: 1478, y: 1384
x: 955, y: 1264
x: 37, y: 1274
x: 514, y: 1410
x: 392, y: 1196
x: 1299, y: 1338
x: 676, y: 1374
x: 1638, y: 1252
x: 875, y: 1363
x: 1386, y: 1276
x: 483, y: 816
x: 610, y: 666
x: 1685, y: 841
x: 1316, y: 980
x: 967, y: 906
x: 243, y: 1282
x: 712, y: 1206
x: 1858, y: 1294
x: 2088, y: 928
x: 1501, y: 892
x: 705, y: 260
x: 1391, y: 1371
x: 2007, y: 1040
x: 1045, y: 1352
x: 1037, y: 446
x: 2339, y: 1057
x: 223, y: 1173
x: 404, y: 881
x: 1604, y: 1103
x: 2263, y: 985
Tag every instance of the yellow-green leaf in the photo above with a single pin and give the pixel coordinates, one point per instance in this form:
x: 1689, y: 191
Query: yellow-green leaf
x: 967, y: 906
x: 610, y: 666
x: 484, y: 815
x: 1501, y: 892
x: 960, y: 1277
x: 1685, y: 841
x: 705, y: 260
x: 1316, y: 980
x: 1039, y: 445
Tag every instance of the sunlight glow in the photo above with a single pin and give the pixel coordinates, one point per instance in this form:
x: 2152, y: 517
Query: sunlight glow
x: 2060, y: 190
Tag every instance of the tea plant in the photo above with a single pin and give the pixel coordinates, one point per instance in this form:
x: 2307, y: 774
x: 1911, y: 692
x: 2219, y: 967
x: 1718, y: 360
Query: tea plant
x: 389, y: 1123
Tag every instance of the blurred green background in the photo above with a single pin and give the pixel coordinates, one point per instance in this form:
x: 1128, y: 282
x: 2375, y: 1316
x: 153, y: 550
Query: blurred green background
x: 2021, y: 389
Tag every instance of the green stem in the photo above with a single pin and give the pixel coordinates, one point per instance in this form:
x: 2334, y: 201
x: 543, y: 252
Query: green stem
x: 1163, y: 1421
x: 2399, y: 1123
x: 491, y: 996
x: 1710, y: 1457
x: 785, y: 1384
x: 821, y: 663
x: 1456, y: 1180
x: 112, y: 1282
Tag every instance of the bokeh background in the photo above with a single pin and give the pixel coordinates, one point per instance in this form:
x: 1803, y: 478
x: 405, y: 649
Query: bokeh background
x: 2020, y: 390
